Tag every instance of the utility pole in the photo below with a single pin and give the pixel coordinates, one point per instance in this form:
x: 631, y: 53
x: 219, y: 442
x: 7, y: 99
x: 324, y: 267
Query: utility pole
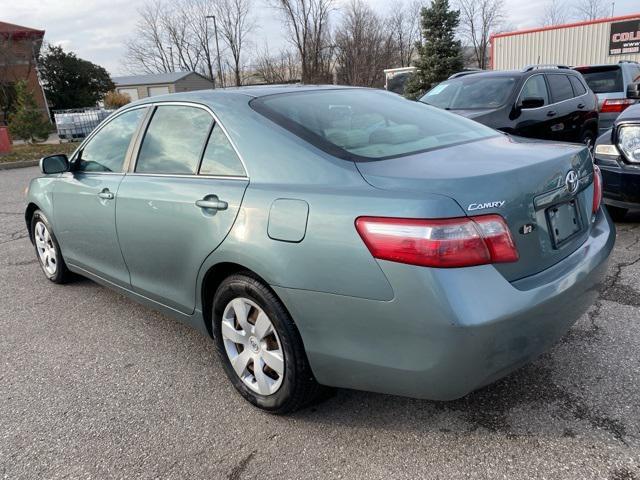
x: 613, y: 7
x: 206, y: 32
x: 215, y: 32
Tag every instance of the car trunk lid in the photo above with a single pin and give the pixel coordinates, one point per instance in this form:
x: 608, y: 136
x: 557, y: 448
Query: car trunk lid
x: 522, y: 180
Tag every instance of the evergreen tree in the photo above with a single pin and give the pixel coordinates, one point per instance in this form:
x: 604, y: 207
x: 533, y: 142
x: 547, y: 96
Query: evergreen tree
x: 28, y: 123
x: 440, y: 54
x: 71, y: 82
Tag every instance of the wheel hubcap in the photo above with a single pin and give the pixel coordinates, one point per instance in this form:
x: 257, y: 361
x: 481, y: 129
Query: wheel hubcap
x: 46, y: 249
x: 253, y: 346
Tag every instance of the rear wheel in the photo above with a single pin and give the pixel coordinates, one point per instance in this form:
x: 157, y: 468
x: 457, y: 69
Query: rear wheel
x: 617, y: 213
x: 260, y: 346
x: 47, y: 249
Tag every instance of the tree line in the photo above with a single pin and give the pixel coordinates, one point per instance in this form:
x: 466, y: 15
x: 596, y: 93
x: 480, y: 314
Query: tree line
x: 351, y: 44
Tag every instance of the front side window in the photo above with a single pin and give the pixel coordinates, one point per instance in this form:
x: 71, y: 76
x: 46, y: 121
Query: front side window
x: 174, y: 140
x: 219, y: 157
x: 560, y: 87
x: 535, y: 87
x: 367, y: 124
x: 106, y: 151
x: 471, y: 92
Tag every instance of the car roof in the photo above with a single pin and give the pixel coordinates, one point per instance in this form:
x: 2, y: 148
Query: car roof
x: 515, y: 73
x: 225, y: 95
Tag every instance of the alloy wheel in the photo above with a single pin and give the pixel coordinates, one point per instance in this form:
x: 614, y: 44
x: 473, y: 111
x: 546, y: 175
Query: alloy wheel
x: 46, y: 249
x: 253, y: 346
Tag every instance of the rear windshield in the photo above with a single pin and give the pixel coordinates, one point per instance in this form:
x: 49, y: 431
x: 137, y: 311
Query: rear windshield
x: 603, y: 79
x: 471, y: 92
x: 367, y: 124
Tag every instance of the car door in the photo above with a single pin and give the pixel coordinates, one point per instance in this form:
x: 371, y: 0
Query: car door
x: 563, y: 113
x: 84, y: 199
x: 532, y: 122
x: 178, y: 203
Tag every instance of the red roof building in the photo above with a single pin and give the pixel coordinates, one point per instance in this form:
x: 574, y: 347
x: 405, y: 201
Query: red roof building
x: 19, y: 50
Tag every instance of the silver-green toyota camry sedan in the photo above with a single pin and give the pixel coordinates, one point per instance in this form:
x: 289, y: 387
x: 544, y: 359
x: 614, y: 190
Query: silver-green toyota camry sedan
x: 329, y: 236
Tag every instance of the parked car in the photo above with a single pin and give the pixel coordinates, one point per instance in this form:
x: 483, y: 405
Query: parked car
x: 609, y: 82
x: 333, y: 236
x: 536, y: 102
x: 395, y: 79
x: 617, y: 153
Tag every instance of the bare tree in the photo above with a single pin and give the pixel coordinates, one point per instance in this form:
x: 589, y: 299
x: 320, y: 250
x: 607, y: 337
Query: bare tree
x: 198, y: 11
x: 404, y: 24
x: 148, y: 50
x: 364, y: 46
x: 307, y: 22
x: 555, y: 13
x: 235, y: 24
x: 478, y: 19
x: 168, y: 37
x: 281, y: 68
x: 590, y: 9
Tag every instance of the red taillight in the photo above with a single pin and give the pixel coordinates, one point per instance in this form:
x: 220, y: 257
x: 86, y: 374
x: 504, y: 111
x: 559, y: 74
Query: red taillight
x: 451, y: 242
x: 615, y: 105
x: 597, y: 188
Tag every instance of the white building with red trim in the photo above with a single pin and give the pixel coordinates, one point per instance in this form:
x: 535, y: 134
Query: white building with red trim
x: 604, y: 40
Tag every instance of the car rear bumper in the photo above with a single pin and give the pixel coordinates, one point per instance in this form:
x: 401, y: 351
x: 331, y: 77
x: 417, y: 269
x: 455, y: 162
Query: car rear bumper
x: 447, y: 331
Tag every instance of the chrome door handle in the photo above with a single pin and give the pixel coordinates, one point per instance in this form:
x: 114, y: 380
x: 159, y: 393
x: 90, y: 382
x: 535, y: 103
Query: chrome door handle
x: 106, y: 194
x: 212, y: 203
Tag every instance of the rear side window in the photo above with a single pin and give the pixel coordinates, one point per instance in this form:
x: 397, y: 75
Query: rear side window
x: 535, y: 87
x: 220, y: 158
x: 560, y: 87
x: 174, y: 140
x: 578, y: 87
x: 366, y: 124
x: 603, y: 79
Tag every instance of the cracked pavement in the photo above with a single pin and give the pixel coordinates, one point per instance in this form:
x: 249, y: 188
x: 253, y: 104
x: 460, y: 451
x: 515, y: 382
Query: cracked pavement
x: 94, y: 385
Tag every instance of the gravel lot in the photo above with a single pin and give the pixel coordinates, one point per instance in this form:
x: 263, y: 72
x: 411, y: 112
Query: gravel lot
x: 95, y: 386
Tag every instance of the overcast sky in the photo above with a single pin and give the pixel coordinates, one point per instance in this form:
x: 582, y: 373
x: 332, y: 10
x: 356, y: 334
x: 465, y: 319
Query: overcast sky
x: 96, y: 29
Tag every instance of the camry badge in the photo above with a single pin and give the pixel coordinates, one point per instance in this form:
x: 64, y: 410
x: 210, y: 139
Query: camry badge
x: 571, y: 181
x: 482, y: 206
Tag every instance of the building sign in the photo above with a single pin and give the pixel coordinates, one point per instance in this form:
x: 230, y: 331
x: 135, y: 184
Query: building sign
x: 624, y: 37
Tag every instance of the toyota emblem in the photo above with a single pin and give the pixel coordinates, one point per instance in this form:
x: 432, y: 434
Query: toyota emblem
x: 571, y: 181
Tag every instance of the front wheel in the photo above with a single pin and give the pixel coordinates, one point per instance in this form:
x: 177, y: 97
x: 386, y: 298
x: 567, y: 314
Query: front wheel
x: 48, y: 249
x: 260, y: 346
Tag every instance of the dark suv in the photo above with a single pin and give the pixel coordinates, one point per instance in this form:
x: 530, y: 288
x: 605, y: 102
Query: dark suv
x: 552, y: 103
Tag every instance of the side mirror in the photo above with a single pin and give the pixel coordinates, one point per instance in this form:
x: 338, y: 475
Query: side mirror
x: 633, y: 91
x: 54, y: 164
x: 531, y: 102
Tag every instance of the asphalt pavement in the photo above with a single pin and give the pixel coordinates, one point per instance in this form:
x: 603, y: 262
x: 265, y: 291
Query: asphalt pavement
x: 93, y: 385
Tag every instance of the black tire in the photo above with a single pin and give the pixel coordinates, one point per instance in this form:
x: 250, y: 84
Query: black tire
x: 62, y: 273
x: 617, y: 213
x: 299, y: 387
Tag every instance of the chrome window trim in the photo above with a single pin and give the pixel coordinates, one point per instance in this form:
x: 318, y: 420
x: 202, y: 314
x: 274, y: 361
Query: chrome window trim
x: 105, y: 122
x: 216, y: 121
x: 187, y: 175
x: 549, y: 92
